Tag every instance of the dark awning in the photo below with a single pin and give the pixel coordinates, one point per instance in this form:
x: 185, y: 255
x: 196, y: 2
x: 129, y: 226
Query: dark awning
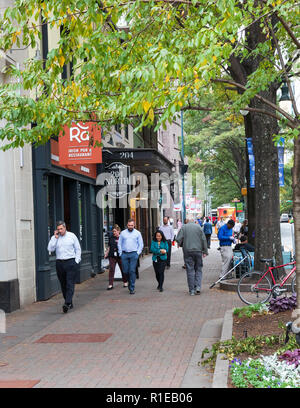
x: 145, y: 161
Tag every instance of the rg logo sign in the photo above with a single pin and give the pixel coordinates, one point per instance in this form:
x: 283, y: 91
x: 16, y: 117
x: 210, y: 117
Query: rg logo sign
x: 80, y: 144
x: 80, y: 133
x: 2, y: 321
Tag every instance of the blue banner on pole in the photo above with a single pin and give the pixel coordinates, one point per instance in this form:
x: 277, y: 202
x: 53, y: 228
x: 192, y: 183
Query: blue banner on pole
x: 251, y: 162
x: 280, y: 148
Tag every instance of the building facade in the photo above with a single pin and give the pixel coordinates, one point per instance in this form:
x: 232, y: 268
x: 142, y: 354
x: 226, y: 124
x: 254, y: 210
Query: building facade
x: 17, y: 261
x: 38, y: 191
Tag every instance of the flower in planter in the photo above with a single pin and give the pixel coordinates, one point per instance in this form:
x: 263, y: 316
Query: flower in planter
x: 291, y: 357
x: 265, y: 372
x: 281, y: 304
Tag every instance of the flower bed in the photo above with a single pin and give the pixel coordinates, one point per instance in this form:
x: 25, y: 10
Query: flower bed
x: 264, y: 372
x: 258, y: 355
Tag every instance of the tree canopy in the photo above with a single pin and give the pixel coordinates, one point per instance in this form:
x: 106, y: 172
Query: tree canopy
x: 139, y: 58
x: 215, y: 146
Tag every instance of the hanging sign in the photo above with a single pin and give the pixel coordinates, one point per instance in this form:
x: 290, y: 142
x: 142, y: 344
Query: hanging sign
x: 280, y: 149
x: 251, y: 162
x: 118, y: 180
x: 78, y: 144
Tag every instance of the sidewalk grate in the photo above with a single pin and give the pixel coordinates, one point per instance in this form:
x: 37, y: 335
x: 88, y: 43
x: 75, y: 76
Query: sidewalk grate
x: 75, y: 338
x: 18, y: 383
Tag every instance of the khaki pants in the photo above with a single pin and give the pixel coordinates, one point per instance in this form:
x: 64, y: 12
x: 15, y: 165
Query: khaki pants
x: 226, y: 254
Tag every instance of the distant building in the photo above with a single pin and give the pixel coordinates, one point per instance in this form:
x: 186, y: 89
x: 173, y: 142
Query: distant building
x: 169, y: 145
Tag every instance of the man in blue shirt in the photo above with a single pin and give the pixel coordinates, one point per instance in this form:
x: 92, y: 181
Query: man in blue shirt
x: 226, y: 238
x: 207, y: 229
x: 130, y: 247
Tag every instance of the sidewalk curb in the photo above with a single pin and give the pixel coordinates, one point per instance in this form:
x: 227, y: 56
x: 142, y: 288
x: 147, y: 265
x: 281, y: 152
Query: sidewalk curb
x: 220, y: 378
x: 197, y: 376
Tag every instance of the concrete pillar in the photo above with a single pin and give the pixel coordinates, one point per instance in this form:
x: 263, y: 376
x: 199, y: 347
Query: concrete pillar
x: 9, y: 284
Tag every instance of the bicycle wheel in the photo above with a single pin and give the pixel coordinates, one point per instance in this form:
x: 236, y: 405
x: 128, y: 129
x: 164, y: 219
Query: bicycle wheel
x: 251, y: 294
x: 294, y: 285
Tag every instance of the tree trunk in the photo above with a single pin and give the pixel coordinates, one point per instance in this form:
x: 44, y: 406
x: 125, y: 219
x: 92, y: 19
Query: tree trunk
x: 267, y: 204
x: 266, y: 219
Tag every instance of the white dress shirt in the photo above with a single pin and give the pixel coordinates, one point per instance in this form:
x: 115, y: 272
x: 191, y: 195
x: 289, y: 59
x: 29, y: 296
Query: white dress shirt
x: 65, y: 246
x: 168, y: 231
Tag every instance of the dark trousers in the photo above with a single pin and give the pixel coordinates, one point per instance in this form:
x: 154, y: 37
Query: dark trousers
x: 169, y: 252
x: 66, y: 273
x: 208, y: 240
x: 113, y: 261
x: 129, y: 263
x: 159, y: 268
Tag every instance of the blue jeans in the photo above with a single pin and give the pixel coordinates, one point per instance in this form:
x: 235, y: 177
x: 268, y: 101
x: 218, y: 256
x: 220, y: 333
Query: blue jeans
x: 129, y: 262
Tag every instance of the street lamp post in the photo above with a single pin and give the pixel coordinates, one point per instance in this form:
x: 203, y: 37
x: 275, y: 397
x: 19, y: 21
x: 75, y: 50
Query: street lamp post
x: 183, y: 173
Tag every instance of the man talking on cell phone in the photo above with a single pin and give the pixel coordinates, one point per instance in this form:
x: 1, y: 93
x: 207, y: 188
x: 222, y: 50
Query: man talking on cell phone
x: 68, y: 256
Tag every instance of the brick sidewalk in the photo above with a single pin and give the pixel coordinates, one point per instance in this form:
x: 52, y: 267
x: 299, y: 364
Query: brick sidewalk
x: 147, y: 339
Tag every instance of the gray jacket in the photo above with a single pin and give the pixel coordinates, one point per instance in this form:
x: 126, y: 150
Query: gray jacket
x: 191, y: 237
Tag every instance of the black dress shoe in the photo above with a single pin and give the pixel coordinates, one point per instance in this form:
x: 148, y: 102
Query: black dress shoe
x: 67, y: 307
x: 161, y: 290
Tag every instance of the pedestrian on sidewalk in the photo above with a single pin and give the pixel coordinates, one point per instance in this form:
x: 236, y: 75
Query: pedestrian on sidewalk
x: 207, y: 229
x: 191, y: 237
x: 220, y: 223
x: 226, y: 238
x: 244, y: 228
x: 159, y: 249
x: 169, y: 234
x: 114, y: 258
x: 68, y: 256
x: 130, y: 246
x: 237, y: 229
x: 185, y: 222
x: 179, y: 225
x: 244, y: 244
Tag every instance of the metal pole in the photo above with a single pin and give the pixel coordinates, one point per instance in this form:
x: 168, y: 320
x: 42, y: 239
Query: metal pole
x: 183, y: 187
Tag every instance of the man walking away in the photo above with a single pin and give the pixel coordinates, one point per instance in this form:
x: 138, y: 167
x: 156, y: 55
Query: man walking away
x: 169, y: 235
x: 192, y: 239
x: 130, y: 246
x: 226, y: 239
x: 207, y: 229
x: 68, y: 255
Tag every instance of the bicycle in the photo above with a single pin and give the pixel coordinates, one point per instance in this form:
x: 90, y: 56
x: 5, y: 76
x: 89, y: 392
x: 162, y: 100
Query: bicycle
x: 256, y: 287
